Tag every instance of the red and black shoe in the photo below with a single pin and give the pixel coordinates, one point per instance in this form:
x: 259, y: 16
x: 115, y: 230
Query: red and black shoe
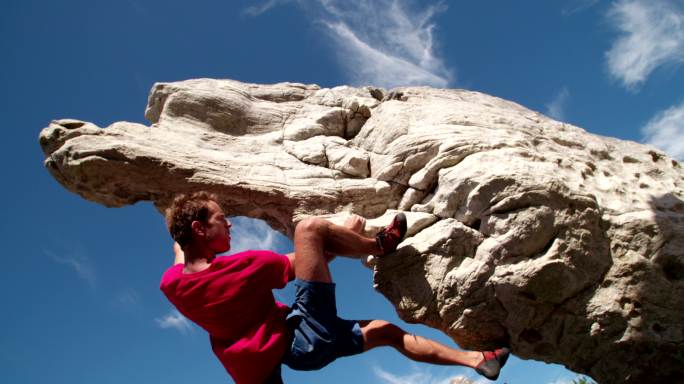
x: 389, y: 237
x: 492, y: 362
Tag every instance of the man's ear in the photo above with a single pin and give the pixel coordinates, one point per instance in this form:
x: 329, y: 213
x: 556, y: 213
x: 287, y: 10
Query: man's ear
x: 197, y: 228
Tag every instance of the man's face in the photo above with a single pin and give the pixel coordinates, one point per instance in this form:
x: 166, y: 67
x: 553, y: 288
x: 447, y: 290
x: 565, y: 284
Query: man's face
x: 217, y: 229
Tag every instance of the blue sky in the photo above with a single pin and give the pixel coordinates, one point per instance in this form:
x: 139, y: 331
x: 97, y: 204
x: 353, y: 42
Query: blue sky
x: 79, y: 285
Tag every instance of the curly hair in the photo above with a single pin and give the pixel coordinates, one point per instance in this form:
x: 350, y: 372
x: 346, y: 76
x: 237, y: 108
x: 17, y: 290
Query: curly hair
x: 185, y: 209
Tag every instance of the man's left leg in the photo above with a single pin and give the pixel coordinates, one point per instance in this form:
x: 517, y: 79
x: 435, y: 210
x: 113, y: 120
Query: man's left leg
x: 313, y: 319
x: 320, y: 336
x: 314, y: 237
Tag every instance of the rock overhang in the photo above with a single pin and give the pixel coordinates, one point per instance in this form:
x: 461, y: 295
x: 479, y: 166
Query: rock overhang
x: 563, y: 244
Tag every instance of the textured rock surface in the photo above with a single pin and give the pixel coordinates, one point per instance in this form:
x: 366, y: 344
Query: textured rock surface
x: 524, y: 230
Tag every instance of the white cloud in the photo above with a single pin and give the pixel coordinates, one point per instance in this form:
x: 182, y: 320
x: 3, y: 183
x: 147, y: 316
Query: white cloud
x: 651, y: 35
x: 575, y: 6
x: 666, y: 131
x: 128, y: 297
x: 76, y: 259
x: 561, y: 381
x: 258, y: 9
x: 424, y: 375
x: 570, y: 380
x: 176, y: 321
x: 383, y: 42
x: 249, y: 233
x: 556, y: 108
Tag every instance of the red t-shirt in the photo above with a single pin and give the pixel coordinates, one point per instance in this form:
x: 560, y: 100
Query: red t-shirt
x: 232, y: 300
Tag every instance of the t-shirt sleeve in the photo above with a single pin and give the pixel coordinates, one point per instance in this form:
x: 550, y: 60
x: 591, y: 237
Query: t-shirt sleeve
x: 274, y: 268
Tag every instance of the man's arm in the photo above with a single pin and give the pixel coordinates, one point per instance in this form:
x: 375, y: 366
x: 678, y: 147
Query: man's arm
x: 180, y: 255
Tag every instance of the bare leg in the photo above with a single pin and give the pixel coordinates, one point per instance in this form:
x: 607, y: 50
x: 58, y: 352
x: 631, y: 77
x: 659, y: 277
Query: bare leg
x: 378, y: 333
x: 314, y: 237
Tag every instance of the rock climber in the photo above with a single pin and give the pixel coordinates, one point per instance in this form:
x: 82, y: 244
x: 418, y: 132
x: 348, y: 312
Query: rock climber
x: 250, y: 332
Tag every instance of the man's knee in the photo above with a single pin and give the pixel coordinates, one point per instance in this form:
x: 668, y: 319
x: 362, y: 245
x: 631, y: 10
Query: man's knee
x: 311, y: 225
x: 380, y: 332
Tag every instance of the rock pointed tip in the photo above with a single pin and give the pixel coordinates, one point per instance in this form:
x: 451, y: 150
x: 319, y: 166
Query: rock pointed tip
x: 68, y: 123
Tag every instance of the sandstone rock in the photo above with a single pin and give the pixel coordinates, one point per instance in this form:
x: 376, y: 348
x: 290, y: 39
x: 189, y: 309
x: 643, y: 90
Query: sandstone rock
x: 526, y: 231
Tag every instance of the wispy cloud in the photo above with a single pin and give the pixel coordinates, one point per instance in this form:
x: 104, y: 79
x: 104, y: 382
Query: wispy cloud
x: 384, y: 42
x: 556, y: 108
x: 176, y: 321
x: 651, y: 35
x: 561, y: 381
x: 423, y: 375
x: 565, y: 379
x: 467, y: 380
x: 249, y: 233
x: 75, y: 258
x: 666, y: 131
x: 575, y: 6
x: 128, y: 298
x: 258, y: 9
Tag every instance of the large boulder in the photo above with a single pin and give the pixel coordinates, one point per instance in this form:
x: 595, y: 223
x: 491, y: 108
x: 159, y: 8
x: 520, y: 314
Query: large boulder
x: 525, y: 231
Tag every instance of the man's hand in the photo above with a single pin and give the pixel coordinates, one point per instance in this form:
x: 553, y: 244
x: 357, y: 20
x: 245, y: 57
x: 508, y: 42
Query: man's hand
x: 180, y: 255
x: 356, y: 223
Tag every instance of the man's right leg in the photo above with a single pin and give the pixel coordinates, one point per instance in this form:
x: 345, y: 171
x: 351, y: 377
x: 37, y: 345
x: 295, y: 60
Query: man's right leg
x: 377, y: 333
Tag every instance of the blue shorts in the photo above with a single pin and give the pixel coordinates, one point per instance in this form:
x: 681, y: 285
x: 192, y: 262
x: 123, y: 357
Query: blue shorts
x: 319, y: 336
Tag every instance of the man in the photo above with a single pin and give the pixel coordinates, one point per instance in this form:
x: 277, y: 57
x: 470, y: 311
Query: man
x: 251, y: 333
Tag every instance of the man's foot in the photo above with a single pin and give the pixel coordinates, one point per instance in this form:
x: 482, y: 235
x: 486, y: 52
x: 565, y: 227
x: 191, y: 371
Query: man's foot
x: 389, y: 237
x: 492, y: 362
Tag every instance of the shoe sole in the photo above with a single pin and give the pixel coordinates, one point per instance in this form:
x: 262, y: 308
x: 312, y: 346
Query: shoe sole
x: 401, y: 218
x: 492, y: 368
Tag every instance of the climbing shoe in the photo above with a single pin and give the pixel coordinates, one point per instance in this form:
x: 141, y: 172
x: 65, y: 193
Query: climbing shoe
x: 492, y: 362
x: 389, y: 237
